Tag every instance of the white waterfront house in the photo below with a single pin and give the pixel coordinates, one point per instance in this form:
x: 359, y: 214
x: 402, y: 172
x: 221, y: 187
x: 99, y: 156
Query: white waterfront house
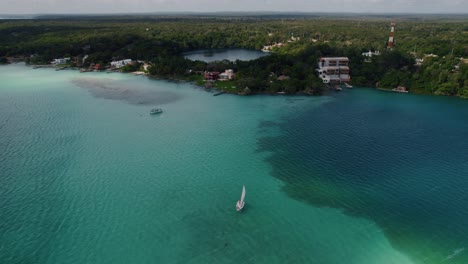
x: 60, y: 61
x: 226, y: 75
x: 334, y: 69
x: 120, y: 63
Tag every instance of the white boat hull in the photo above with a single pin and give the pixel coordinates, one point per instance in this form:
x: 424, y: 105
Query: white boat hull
x: 239, y: 205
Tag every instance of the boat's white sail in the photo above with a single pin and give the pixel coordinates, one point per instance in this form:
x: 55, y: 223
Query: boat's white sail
x: 243, y: 194
x: 240, y: 204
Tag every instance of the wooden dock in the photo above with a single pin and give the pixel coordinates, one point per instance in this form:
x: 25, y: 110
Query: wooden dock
x: 220, y: 93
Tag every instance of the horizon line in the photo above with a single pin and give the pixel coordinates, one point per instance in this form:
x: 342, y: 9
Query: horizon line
x: 238, y: 12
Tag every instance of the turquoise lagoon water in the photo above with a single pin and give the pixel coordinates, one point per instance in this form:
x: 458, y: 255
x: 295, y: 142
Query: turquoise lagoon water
x: 88, y: 176
x: 211, y: 55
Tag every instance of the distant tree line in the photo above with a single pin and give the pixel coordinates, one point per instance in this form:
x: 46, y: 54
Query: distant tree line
x: 161, y: 42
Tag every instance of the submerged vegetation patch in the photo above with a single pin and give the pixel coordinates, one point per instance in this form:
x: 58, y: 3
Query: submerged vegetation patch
x: 114, y: 90
x: 368, y: 157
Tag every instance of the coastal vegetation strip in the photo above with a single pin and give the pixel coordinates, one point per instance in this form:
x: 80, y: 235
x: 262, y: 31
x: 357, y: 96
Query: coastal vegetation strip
x: 161, y: 41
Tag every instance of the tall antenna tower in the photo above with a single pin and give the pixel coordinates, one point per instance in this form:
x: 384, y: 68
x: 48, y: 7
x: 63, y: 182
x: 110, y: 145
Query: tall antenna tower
x: 391, y: 39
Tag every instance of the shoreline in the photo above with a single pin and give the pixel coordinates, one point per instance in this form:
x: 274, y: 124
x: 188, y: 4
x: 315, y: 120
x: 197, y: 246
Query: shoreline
x: 182, y: 80
x: 390, y: 90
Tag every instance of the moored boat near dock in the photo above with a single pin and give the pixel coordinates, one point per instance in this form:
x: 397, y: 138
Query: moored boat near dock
x: 155, y: 111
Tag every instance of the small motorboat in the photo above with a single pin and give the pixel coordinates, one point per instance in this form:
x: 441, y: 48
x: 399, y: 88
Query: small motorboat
x: 156, y: 111
x: 240, y: 204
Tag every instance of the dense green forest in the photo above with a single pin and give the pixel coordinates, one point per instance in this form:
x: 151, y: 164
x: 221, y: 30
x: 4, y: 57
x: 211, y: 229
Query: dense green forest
x: 160, y: 40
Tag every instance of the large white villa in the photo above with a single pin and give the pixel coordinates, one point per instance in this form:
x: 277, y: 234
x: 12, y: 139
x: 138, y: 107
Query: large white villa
x: 334, y: 69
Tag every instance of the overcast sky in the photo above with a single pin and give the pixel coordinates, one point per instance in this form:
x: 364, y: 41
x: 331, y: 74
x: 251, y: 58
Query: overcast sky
x: 132, y: 6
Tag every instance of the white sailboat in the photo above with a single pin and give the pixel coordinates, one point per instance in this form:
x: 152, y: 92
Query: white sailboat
x: 240, y: 204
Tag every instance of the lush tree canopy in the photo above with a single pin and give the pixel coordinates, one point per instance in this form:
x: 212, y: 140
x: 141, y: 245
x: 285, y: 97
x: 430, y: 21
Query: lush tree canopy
x: 161, y: 40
